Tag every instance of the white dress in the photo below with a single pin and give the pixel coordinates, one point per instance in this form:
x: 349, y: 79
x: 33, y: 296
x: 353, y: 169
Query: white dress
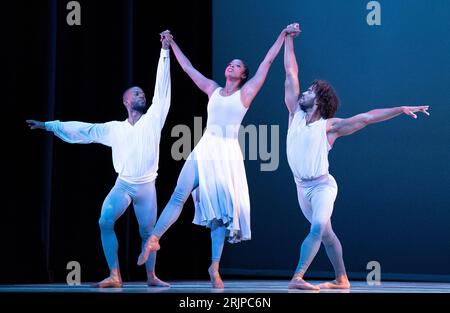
x: 222, y: 193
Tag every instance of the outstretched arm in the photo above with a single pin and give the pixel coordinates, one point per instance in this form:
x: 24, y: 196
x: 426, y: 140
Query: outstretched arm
x: 253, y: 85
x: 291, y: 84
x: 205, y: 84
x: 161, y: 96
x: 337, y: 127
x: 76, y: 132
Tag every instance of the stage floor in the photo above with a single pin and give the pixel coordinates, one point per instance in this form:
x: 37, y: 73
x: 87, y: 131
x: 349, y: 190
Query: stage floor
x: 231, y: 286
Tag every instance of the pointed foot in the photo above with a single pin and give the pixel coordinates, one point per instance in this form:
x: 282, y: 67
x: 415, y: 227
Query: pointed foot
x: 150, y: 246
x: 109, y: 282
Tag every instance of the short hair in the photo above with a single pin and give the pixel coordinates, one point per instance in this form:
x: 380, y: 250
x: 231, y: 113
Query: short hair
x: 326, y: 99
x: 123, y: 95
x: 127, y: 90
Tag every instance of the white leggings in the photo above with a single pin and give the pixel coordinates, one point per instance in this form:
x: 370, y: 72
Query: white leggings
x: 188, y: 181
x: 119, y: 198
x: 316, y: 199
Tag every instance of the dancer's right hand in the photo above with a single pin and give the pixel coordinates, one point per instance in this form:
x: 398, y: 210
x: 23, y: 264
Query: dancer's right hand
x: 35, y: 124
x: 166, y: 39
x: 166, y: 35
x: 293, y: 29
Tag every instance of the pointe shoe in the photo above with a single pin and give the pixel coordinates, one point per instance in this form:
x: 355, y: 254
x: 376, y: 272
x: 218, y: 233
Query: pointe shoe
x: 148, y: 248
x: 109, y: 283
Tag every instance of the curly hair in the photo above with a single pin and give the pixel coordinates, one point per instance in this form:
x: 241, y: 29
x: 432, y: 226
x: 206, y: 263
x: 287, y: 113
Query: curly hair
x: 326, y: 98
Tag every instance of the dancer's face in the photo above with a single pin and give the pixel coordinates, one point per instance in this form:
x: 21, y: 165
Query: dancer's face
x: 134, y: 99
x: 308, y: 98
x: 235, y: 70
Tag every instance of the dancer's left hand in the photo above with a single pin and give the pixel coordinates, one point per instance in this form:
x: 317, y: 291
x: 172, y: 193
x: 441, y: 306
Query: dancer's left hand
x: 411, y: 110
x: 293, y: 29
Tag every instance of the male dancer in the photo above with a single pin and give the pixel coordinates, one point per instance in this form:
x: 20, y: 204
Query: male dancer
x: 313, y: 129
x: 135, y: 150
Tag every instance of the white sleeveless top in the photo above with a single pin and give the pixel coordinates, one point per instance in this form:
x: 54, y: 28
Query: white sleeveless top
x: 307, y: 147
x: 225, y: 114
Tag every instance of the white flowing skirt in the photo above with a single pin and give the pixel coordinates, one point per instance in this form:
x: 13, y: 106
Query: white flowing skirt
x: 222, y: 193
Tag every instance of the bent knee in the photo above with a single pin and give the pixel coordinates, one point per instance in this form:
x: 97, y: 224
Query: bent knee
x: 318, y: 228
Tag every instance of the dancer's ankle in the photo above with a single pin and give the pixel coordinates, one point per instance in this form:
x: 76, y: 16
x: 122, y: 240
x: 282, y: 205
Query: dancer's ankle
x: 298, y: 276
x: 151, y: 275
x: 115, y: 275
x: 342, y: 278
x: 214, y: 267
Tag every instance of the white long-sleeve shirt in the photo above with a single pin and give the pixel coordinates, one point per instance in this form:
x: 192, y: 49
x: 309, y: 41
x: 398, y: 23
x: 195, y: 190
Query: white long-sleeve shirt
x: 135, y: 148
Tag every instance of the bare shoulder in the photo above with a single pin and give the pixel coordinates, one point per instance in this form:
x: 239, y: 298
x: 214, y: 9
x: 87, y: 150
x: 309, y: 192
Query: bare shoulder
x: 214, y: 86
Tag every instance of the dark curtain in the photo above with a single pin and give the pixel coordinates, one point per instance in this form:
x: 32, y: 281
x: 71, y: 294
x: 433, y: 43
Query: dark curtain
x: 54, y: 190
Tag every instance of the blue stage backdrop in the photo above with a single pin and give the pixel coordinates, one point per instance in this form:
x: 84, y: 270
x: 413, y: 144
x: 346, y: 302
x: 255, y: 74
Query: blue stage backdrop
x: 393, y: 204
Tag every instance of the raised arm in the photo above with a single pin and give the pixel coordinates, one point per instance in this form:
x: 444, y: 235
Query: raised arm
x: 205, y: 84
x: 77, y: 132
x: 337, y: 127
x: 253, y: 85
x: 162, y: 93
x: 291, y: 84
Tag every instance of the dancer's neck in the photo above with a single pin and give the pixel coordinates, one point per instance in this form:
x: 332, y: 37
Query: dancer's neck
x: 312, y: 114
x: 134, y: 116
x: 230, y: 87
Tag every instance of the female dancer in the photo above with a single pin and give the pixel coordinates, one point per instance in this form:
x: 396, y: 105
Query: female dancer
x: 214, y: 172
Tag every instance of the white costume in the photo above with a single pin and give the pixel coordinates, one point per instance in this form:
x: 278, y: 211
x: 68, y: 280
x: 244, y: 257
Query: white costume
x: 307, y: 152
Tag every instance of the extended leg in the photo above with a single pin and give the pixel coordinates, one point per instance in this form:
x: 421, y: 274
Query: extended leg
x: 334, y: 252
x: 187, y: 181
x: 322, y: 200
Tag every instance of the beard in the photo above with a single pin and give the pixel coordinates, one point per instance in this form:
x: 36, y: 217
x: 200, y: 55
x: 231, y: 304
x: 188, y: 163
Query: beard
x: 305, y: 104
x: 138, y: 105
